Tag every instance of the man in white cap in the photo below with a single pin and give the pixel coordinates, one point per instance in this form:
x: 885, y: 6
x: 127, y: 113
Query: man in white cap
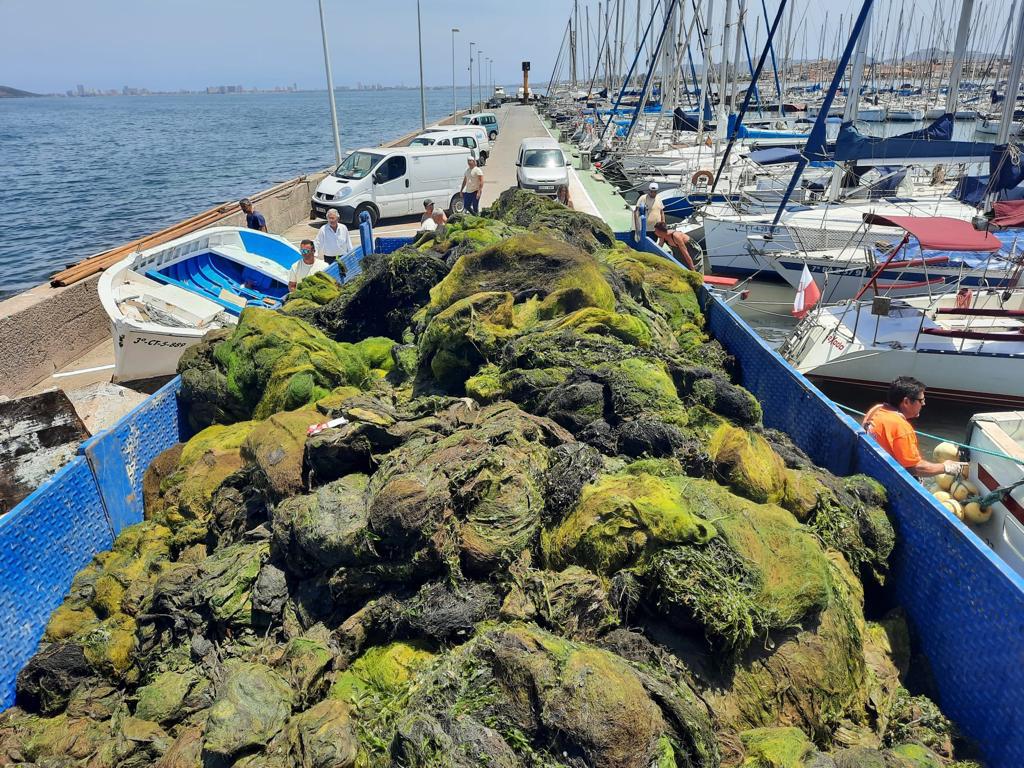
x: 655, y: 208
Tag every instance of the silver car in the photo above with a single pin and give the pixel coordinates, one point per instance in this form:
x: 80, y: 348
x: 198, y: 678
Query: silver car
x: 541, y: 166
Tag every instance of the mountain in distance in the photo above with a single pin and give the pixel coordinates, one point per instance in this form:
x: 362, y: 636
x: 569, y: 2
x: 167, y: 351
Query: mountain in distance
x: 7, y: 92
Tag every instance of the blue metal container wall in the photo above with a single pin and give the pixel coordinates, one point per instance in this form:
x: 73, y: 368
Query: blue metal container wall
x: 44, y: 542
x: 119, y: 456
x: 965, y: 606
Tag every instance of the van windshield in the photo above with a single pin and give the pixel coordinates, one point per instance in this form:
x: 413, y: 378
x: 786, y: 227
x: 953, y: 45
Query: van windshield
x: 543, y: 158
x: 422, y: 141
x: 357, y: 165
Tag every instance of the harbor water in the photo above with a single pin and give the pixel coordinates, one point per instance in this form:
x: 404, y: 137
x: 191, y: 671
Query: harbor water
x: 80, y: 175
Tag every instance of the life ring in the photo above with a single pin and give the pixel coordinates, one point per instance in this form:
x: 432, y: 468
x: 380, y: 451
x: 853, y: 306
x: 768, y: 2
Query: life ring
x: 707, y: 176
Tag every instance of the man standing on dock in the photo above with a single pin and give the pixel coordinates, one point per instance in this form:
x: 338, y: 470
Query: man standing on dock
x: 253, y: 218
x: 472, y: 187
x: 652, y: 205
x: 333, y: 240
x: 889, y: 424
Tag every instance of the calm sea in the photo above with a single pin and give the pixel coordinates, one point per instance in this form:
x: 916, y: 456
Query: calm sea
x: 79, y: 175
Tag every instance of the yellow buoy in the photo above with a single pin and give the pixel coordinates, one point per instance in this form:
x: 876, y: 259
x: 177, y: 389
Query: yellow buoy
x: 942, y: 496
x: 945, y: 452
x: 963, y: 489
x: 954, y: 506
x: 944, y: 481
x: 976, y: 514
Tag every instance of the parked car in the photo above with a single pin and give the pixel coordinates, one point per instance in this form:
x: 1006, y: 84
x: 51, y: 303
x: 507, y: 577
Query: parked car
x: 389, y: 182
x: 467, y: 139
x: 541, y: 166
x: 483, y: 142
x: 494, y: 103
x: 487, y: 120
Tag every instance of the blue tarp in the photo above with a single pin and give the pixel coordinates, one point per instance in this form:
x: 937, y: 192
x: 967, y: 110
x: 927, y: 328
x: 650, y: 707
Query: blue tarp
x: 853, y: 145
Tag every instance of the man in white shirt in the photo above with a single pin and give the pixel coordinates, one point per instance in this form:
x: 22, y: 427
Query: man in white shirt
x: 472, y: 187
x: 655, y: 208
x: 332, y: 241
x: 308, y: 265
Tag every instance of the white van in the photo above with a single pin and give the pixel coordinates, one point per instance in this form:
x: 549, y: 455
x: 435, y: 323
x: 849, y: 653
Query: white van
x: 482, y: 140
x: 392, y: 181
x: 467, y: 139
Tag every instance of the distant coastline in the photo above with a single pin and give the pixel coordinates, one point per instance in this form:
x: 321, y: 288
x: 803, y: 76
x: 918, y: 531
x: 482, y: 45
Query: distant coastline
x: 7, y: 92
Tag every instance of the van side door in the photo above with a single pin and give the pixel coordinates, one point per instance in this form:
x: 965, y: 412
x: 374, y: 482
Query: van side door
x: 391, y: 187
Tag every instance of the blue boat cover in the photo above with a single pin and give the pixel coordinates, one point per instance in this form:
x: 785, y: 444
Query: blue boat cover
x: 748, y: 133
x: 775, y: 155
x: 1006, y: 172
x: 853, y: 145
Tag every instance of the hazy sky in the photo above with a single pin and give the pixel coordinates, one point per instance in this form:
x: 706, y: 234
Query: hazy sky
x: 52, y: 45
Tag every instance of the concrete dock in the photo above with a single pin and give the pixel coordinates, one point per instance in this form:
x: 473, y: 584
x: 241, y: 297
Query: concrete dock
x: 84, y: 372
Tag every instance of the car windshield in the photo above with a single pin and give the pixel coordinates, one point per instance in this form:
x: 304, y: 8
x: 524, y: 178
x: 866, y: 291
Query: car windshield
x: 422, y: 141
x: 543, y: 158
x: 357, y: 165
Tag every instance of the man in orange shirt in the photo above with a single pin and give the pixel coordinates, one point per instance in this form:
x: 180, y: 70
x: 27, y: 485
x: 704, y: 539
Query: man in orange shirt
x: 889, y: 424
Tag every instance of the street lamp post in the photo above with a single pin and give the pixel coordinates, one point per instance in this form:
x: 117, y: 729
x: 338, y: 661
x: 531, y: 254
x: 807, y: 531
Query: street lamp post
x: 479, y: 79
x: 455, y: 101
x: 330, y: 88
x: 423, y: 97
x: 471, y: 76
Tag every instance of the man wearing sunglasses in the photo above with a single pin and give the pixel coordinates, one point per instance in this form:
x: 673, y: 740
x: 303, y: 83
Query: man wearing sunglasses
x: 308, y: 265
x: 889, y: 424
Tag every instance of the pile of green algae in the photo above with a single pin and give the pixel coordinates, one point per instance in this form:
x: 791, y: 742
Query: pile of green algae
x: 550, y: 532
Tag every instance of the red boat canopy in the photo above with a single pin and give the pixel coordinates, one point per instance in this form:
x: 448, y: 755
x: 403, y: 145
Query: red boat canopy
x: 939, y: 233
x: 1009, y: 213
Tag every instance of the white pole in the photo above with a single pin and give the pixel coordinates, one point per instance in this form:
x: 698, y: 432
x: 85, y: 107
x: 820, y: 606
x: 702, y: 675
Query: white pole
x: 455, y: 101
x: 959, y: 52
x: 479, y: 77
x: 423, y: 95
x: 471, y: 76
x: 330, y: 87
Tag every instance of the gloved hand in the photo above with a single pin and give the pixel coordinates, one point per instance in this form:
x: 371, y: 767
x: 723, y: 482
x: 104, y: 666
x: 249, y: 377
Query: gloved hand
x: 952, y: 467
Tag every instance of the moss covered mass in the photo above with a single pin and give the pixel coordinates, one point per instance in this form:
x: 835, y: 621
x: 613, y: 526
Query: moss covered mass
x: 547, y: 530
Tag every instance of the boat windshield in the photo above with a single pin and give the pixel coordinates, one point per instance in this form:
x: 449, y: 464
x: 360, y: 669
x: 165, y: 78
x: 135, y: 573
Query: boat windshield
x: 357, y: 165
x: 422, y: 141
x: 543, y: 158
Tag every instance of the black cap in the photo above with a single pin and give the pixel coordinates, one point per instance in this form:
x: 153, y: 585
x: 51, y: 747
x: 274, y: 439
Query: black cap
x: 427, y: 202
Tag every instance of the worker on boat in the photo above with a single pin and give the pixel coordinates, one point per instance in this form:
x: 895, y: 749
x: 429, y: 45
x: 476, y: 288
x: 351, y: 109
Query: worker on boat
x: 333, y: 240
x: 654, y: 207
x: 253, y: 218
x: 677, y: 242
x: 472, y: 187
x: 428, y: 213
x: 889, y: 424
x: 308, y: 265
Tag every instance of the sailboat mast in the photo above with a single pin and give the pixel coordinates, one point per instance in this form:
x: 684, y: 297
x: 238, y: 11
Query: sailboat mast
x: 959, y: 52
x: 853, y: 97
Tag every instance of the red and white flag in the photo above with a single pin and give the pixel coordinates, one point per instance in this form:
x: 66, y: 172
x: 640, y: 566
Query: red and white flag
x: 807, y: 294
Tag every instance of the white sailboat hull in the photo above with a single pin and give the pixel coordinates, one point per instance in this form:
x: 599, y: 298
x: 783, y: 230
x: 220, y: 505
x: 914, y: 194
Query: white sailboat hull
x: 848, y: 344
